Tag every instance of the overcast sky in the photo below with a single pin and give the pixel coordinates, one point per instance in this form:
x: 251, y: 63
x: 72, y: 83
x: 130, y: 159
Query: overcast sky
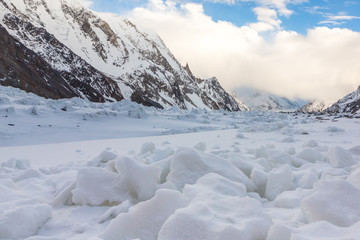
x: 296, y: 48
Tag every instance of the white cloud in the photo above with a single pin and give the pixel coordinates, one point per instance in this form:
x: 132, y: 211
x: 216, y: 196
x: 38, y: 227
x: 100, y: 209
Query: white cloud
x: 268, y: 19
x: 322, y: 64
x: 279, y: 5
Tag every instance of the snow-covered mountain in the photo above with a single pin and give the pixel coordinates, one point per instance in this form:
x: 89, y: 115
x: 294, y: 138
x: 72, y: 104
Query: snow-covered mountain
x: 97, y: 56
x: 264, y: 101
x: 316, y: 106
x: 348, y: 104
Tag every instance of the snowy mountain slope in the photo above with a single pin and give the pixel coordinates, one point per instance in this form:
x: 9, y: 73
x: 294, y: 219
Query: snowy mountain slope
x: 31, y: 72
x: 264, y: 101
x: 348, y: 104
x: 316, y: 106
x: 80, y: 78
x: 140, y: 63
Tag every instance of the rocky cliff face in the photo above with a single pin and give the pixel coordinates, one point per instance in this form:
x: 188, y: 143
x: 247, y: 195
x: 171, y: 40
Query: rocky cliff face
x: 24, y: 69
x: 348, y: 104
x: 104, y: 57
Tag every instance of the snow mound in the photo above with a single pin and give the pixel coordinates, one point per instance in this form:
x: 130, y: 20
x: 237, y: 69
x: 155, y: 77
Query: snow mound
x: 236, y: 218
x: 139, y: 179
x: 24, y: 221
x: 354, y: 178
x: 310, y: 155
x: 334, y: 129
x: 98, y: 186
x: 17, y: 164
x: 214, y: 183
x: 330, y: 202
x: 188, y: 165
x: 339, y: 157
x: 144, y: 220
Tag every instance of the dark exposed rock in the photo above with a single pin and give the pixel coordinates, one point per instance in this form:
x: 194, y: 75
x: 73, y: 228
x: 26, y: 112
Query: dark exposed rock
x: 24, y: 69
x: 83, y: 78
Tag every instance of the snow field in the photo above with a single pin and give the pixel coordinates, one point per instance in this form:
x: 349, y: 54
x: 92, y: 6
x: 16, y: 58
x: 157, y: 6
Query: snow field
x: 254, y: 176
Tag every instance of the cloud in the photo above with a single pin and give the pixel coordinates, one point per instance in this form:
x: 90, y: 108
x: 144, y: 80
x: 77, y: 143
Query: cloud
x: 279, y: 5
x: 268, y: 19
x: 322, y: 64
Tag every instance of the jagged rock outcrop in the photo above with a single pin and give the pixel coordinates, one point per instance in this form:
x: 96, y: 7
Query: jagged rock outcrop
x: 105, y: 57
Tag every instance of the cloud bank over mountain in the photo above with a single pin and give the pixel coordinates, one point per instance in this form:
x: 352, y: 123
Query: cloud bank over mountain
x: 321, y: 64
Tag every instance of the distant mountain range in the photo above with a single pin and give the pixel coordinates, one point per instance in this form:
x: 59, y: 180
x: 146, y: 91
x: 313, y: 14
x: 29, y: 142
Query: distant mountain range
x: 349, y: 104
x: 60, y: 49
x: 264, y: 101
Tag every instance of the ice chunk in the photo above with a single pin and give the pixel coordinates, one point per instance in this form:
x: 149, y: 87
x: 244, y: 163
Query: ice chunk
x: 264, y: 163
x: 97, y: 186
x: 261, y: 152
x: 115, y: 211
x: 291, y: 199
x: 17, y: 164
x: 339, y: 157
x: 188, y: 165
x: 335, y: 201
x: 355, y: 150
x: 24, y: 221
x: 148, y: 147
x: 320, y: 230
x: 310, y: 155
x: 200, y: 146
x: 354, y: 178
x: 104, y: 157
x: 259, y: 177
x: 217, y: 217
x: 144, y: 220
x: 279, y: 180
x: 137, y: 113
x: 64, y: 195
x: 214, y: 183
x: 334, y: 129
x: 240, y: 135
x: 278, y: 158
x: 29, y: 173
x: 308, y: 179
x: 311, y: 144
x: 279, y: 232
x: 140, y: 180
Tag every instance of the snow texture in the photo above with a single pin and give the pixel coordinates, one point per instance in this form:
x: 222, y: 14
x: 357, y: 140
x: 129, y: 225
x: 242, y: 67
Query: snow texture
x: 94, y: 172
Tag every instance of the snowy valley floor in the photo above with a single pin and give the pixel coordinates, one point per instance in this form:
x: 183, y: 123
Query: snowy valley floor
x: 71, y: 169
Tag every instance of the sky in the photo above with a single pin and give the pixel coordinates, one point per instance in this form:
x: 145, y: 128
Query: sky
x: 306, y: 49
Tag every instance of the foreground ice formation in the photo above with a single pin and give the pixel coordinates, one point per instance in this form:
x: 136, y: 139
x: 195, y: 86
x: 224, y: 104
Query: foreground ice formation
x: 95, y: 172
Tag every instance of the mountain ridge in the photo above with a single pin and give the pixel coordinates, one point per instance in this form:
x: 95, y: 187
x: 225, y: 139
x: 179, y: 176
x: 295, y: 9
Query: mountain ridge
x: 138, y: 62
